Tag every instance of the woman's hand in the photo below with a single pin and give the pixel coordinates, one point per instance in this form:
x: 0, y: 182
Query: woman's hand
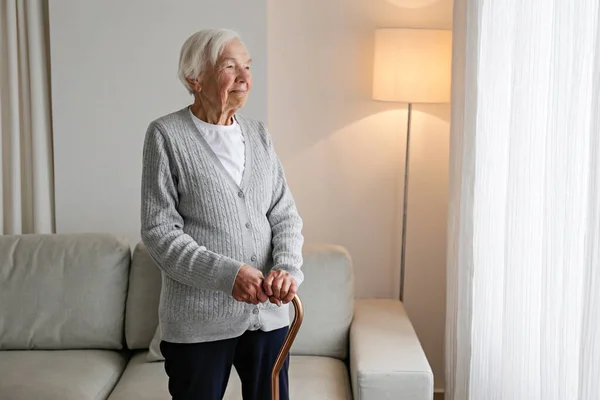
x: 248, y: 286
x: 280, y: 286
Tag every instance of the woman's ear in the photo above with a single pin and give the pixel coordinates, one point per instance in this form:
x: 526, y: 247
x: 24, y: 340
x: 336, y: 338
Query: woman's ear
x: 194, y: 84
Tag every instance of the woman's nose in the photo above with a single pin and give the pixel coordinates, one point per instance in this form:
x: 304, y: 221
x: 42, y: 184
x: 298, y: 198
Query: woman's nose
x: 243, y: 75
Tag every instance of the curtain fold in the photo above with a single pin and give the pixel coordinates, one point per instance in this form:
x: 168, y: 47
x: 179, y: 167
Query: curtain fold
x: 523, y: 313
x: 26, y: 165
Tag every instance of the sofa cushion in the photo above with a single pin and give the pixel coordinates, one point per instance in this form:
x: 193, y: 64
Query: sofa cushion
x: 59, y: 374
x: 141, y: 316
x: 310, y: 378
x: 62, y: 291
x: 327, y: 296
x: 318, y: 378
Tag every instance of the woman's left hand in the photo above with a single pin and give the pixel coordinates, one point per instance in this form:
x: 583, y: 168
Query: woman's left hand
x: 280, y: 286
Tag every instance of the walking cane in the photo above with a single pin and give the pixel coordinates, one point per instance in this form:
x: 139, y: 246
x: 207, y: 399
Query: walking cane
x: 285, y: 348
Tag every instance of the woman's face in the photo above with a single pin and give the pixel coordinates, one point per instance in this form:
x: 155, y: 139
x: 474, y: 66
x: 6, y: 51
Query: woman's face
x: 227, y: 84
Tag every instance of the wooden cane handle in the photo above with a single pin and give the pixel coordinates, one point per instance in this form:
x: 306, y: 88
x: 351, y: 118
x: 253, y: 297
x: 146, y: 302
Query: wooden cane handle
x: 285, y: 348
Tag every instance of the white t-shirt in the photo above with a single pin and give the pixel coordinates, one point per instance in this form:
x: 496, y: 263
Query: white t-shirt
x: 227, y: 142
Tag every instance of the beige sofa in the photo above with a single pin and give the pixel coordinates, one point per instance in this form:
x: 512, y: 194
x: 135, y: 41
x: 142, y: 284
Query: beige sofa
x: 78, y: 314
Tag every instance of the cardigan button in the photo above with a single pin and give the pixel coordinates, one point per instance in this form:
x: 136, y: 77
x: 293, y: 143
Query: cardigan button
x: 241, y: 194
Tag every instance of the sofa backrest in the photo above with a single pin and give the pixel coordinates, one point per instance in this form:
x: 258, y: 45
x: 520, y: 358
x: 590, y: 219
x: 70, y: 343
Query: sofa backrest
x: 62, y: 291
x: 141, y: 314
x: 327, y: 295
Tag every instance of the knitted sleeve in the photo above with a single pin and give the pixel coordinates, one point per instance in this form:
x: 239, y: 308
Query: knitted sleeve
x: 286, y: 224
x: 176, y: 253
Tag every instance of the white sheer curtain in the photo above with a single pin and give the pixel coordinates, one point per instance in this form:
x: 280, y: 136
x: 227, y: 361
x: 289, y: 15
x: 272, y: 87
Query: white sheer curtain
x: 26, y: 172
x: 523, y: 314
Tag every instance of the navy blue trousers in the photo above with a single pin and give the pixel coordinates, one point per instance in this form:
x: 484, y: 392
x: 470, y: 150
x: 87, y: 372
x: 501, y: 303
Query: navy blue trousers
x: 200, y: 371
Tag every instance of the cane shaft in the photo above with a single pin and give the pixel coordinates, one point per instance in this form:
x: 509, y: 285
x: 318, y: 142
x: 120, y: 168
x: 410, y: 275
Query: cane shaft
x: 285, y: 348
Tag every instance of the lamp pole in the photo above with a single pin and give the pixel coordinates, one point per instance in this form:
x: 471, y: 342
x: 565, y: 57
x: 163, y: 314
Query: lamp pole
x: 405, y: 205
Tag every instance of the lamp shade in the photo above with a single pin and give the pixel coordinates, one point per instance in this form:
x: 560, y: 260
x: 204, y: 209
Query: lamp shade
x: 412, y: 65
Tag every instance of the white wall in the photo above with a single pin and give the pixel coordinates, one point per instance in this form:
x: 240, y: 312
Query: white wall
x: 114, y: 69
x: 343, y: 153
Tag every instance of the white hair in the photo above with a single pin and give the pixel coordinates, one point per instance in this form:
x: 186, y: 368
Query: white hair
x: 200, y: 50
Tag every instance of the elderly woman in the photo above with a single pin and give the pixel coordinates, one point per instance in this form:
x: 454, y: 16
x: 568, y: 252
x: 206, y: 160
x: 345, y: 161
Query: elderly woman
x: 220, y: 222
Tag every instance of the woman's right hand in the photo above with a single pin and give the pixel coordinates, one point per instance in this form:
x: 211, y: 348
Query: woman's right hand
x: 248, y: 286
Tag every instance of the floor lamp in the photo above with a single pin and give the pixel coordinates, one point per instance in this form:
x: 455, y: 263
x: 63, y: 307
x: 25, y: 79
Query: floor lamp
x: 411, y: 66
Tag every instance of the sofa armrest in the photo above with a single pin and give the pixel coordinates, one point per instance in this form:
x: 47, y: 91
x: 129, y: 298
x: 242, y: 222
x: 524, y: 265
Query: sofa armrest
x: 386, y: 359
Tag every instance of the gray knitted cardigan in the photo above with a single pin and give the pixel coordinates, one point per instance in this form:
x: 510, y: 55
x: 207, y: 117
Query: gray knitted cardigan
x: 200, y: 227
